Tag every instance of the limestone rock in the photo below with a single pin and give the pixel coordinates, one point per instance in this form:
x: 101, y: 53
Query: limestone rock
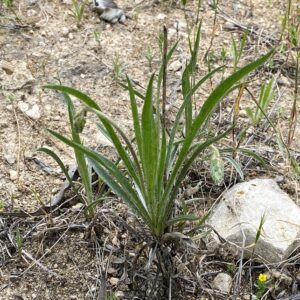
x: 238, y: 215
x: 223, y: 283
x: 34, y: 112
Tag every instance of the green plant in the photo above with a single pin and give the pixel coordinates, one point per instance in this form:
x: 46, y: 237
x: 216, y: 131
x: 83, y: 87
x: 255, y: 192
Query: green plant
x: 158, y: 163
x: 111, y: 296
x: 238, y: 50
x: 7, y: 3
x: 265, y: 96
x: 149, y: 56
x: 77, y: 9
x: 97, y: 36
x: 117, y: 67
x: 261, y: 284
x: 230, y: 268
x: 77, y: 122
x: 216, y: 166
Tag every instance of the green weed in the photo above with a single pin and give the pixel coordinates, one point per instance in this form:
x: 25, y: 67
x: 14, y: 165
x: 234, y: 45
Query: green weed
x: 157, y: 162
x: 77, y: 10
x: 266, y: 95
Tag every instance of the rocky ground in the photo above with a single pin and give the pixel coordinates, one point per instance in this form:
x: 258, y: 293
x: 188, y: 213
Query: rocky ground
x: 62, y: 256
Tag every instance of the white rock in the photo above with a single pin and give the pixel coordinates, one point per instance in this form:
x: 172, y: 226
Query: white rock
x: 114, y: 280
x: 238, y: 215
x: 175, y: 66
x: 10, y: 158
x: 119, y: 294
x: 77, y: 207
x: 180, y: 25
x: 34, y: 112
x: 223, y: 282
x: 161, y: 16
x: 65, y: 31
x: 23, y: 106
x: 13, y: 175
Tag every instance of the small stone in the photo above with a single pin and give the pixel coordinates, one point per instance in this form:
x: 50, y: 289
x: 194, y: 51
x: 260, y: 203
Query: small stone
x: 73, y: 297
x: 114, y: 280
x: 175, y: 66
x: 56, y: 118
x: 10, y: 158
x: 243, y: 113
x: 31, y: 12
x: 65, y: 31
x: 119, y: 294
x: 161, y: 16
x: 180, y: 25
x: 55, y: 190
x: 13, y: 175
x: 23, y: 106
x: 7, y: 69
x: 284, y: 81
x: 33, y: 295
x: 71, y: 36
x: 77, y: 207
x: 111, y: 271
x: 223, y: 282
x: 34, y: 112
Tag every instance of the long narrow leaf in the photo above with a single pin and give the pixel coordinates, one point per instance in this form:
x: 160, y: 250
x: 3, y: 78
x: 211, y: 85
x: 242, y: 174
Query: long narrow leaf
x: 214, y: 98
x: 110, y: 167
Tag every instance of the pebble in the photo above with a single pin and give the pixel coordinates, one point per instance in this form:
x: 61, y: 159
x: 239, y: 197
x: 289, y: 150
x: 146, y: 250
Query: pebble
x: 31, y: 12
x: 10, y: 158
x: 13, y: 175
x: 223, y: 282
x: 77, y: 207
x: 23, y: 106
x: 119, y: 294
x: 180, y: 25
x: 175, y: 66
x: 34, y: 112
x: 284, y: 81
x: 161, y: 16
x: 114, y: 280
x: 65, y: 31
x: 111, y: 271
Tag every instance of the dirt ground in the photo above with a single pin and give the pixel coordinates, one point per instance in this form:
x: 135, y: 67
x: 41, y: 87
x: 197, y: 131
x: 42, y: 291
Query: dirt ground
x: 40, y: 43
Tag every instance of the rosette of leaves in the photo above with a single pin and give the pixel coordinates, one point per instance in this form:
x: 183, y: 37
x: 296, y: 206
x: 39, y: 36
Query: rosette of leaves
x: 155, y: 163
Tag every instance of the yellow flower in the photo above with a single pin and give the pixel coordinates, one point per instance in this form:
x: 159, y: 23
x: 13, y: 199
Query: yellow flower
x: 262, y: 277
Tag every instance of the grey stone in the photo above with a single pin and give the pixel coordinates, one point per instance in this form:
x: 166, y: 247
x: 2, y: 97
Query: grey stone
x: 34, y: 112
x: 223, y: 283
x: 10, y: 158
x: 175, y: 65
x: 237, y: 217
x: 13, y: 175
